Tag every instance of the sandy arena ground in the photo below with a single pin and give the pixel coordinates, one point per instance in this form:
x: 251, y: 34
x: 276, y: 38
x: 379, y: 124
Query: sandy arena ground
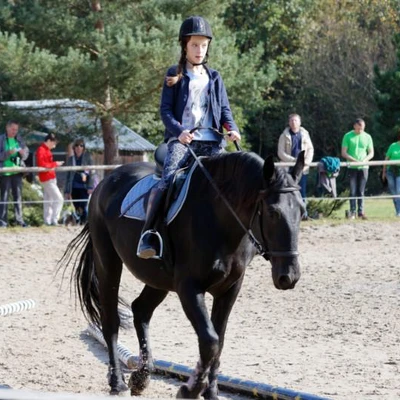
x: 337, y: 334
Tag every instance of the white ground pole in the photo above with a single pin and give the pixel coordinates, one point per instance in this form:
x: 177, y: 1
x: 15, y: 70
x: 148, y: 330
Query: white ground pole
x: 18, y: 306
x: 124, y: 354
x: 250, y: 388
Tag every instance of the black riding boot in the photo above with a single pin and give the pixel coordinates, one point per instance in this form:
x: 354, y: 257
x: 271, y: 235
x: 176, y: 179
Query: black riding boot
x: 150, y: 242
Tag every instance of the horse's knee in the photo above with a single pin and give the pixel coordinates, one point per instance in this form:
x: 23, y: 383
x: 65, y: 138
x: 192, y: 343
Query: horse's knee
x: 209, y: 344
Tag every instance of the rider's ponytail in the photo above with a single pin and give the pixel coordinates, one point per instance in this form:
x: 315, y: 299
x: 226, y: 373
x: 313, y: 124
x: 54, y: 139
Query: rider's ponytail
x: 172, y: 80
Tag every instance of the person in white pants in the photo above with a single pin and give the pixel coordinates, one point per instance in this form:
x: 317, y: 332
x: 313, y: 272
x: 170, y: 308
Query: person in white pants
x: 52, y: 197
x: 53, y: 202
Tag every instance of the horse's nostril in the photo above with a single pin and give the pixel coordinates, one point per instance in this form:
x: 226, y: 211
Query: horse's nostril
x: 285, y: 282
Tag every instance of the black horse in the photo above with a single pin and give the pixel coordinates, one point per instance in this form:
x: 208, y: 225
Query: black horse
x: 251, y: 206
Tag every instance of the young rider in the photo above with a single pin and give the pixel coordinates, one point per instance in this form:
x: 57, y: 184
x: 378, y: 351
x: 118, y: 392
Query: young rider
x: 193, y: 95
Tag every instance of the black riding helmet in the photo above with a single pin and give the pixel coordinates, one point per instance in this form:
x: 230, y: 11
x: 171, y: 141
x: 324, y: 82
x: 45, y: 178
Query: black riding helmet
x: 195, y: 26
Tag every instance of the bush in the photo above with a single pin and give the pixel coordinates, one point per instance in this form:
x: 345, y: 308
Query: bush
x: 324, y: 208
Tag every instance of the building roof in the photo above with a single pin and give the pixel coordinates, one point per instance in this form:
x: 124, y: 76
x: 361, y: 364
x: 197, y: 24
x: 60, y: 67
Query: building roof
x: 71, y: 117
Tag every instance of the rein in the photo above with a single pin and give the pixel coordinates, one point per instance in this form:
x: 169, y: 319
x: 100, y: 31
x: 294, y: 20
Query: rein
x: 261, y: 250
x: 197, y: 128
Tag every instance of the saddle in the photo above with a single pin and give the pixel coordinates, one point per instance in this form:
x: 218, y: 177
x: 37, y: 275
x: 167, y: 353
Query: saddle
x: 159, y: 156
x: 134, y: 204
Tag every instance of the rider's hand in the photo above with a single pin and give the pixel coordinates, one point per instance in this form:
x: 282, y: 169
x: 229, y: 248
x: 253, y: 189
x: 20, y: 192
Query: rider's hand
x: 186, y: 137
x: 233, y: 136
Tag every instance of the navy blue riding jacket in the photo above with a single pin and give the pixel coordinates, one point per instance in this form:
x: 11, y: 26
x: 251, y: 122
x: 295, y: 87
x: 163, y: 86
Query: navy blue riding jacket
x: 174, y: 99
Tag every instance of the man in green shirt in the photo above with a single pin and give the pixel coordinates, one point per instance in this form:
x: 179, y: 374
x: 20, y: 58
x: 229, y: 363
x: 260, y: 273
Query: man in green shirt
x: 357, y: 145
x: 12, y: 152
x: 392, y: 173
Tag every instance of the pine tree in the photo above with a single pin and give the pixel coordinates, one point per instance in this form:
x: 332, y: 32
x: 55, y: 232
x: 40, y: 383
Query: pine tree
x: 114, y: 55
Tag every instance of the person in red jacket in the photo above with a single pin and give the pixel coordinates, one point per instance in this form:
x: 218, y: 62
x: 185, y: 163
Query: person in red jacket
x: 53, y: 199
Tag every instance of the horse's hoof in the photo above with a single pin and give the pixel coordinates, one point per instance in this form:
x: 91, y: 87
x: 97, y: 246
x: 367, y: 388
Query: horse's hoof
x: 184, y: 393
x: 211, y: 394
x: 120, y: 387
x: 139, y: 381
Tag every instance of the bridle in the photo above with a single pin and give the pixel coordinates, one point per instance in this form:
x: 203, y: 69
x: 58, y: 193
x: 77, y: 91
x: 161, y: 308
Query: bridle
x: 262, y: 249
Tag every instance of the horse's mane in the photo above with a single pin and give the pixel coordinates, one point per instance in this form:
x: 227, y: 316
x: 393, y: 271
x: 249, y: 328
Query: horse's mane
x: 239, y: 176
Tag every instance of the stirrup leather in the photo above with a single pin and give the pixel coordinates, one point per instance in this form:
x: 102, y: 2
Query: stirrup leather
x: 160, y: 244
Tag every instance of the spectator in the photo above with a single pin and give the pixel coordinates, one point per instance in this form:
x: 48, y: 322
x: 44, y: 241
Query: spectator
x: 357, y: 145
x: 13, y: 153
x: 392, y: 173
x: 79, y: 184
x: 53, y: 199
x: 292, y: 141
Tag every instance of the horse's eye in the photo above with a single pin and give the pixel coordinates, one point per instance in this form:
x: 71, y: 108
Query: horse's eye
x: 273, y: 212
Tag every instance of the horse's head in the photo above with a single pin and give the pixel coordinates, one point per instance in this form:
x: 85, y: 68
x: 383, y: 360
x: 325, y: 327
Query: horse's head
x: 281, y: 212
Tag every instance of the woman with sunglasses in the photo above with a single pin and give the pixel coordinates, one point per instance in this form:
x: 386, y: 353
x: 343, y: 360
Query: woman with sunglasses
x: 79, y: 184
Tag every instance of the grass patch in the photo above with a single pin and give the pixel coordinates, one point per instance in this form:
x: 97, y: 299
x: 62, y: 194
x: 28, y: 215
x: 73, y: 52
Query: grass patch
x: 375, y: 210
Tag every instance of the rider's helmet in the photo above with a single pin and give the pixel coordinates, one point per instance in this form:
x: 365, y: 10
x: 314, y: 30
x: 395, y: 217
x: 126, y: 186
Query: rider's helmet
x: 195, y: 26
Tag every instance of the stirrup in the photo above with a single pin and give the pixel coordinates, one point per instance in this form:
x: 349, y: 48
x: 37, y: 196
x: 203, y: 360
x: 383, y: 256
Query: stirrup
x: 150, y: 252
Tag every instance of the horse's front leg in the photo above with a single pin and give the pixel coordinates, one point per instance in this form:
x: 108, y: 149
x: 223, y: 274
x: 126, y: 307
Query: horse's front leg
x: 143, y: 308
x: 192, y: 300
x: 221, y: 309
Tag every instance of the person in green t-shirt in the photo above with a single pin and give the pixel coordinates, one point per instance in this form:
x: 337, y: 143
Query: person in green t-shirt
x: 392, y: 173
x: 13, y: 152
x: 357, y: 145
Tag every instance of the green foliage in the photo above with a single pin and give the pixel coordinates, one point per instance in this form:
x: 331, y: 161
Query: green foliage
x: 387, y: 116
x: 25, y: 71
x: 315, y: 58
x: 115, y: 59
x: 324, y: 208
x: 335, y: 86
x: 275, y: 28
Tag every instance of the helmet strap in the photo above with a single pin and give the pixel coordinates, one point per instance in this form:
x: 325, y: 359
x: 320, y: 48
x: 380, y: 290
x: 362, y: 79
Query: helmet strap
x: 197, y: 64
x: 205, y: 61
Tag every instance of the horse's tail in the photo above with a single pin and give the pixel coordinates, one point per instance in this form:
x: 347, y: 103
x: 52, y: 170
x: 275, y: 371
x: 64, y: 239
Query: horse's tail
x: 80, y: 253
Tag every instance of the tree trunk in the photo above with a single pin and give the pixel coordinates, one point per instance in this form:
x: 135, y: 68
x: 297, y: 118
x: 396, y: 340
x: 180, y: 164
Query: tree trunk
x: 109, y: 137
x: 96, y: 7
x: 110, y: 141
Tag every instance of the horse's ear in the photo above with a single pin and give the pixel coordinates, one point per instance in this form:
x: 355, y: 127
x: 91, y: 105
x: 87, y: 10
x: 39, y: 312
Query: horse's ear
x: 298, y: 168
x: 269, y: 168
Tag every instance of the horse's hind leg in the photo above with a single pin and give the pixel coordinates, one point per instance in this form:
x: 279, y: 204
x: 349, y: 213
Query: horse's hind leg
x: 143, y: 308
x: 109, y: 270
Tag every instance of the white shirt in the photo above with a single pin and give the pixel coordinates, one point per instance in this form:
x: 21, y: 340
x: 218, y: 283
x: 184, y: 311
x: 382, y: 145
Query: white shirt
x: 197, y: 110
